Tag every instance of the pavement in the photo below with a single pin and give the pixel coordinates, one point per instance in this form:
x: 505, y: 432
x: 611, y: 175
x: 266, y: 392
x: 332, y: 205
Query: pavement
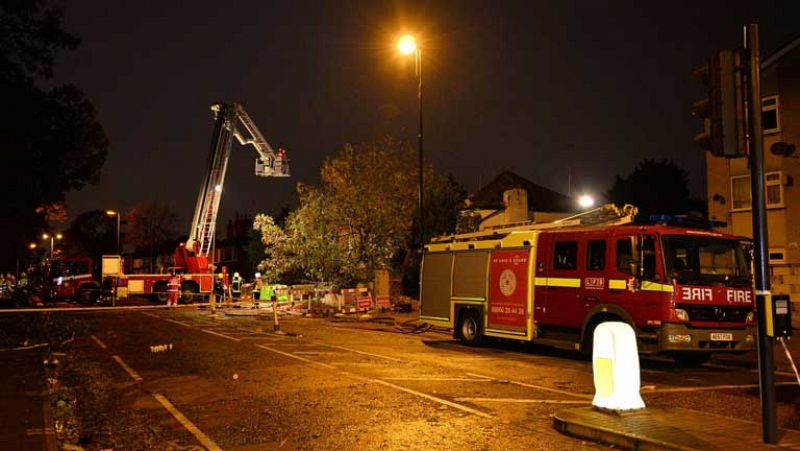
x: 682, y: 429
x: 25, y: 402
x: 668, y: 428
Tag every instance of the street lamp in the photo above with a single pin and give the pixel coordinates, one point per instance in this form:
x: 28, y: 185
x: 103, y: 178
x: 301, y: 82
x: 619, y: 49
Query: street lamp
x: 51, y: 237
x: 407, y: 45
x: 115, y: 213
x: 586, y: 201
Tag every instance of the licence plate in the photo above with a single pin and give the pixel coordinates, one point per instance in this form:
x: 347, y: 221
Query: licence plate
x: 718, y: 336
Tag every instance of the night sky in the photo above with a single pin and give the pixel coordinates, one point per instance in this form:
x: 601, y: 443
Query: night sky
x: 535, y: 87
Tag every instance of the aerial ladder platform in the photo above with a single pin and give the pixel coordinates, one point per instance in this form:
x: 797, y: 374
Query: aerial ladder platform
x: 231, y: 120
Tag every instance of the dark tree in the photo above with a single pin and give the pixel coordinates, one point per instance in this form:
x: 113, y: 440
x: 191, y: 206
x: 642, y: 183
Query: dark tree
x: 51, y: 141
x: 655, y: 187
x: 151, y: 229
x: 92, y: 234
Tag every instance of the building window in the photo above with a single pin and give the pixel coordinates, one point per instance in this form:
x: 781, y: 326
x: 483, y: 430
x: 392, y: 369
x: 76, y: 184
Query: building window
x: 770, y: 118
x: 596, y: 255
x: 740, y: 191
x: 777, y: 255
x: 566, y: 255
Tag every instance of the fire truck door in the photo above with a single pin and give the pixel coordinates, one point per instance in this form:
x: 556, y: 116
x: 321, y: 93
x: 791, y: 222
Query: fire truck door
x: 562, y: 284
x: 594, y: 283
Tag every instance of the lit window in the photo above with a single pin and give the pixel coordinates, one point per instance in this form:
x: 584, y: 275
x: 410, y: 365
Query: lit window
x: 770, y: 118
x: 740, y: 190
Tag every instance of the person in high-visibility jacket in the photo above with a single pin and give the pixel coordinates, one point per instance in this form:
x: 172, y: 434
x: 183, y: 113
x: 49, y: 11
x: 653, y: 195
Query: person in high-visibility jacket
x: 173, y: 289
x: 236, y: 285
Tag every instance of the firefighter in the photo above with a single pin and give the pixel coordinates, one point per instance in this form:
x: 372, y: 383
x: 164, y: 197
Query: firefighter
x: 236, y: 285
x: 173, y: 289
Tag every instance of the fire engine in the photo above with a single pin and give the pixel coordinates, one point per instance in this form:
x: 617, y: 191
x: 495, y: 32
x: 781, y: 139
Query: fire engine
x: 72, y: 278
x: 686, y: 292
x: 192, y: 257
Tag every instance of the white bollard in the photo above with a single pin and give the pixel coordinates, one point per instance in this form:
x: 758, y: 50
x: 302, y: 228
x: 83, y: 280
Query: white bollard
x: 615, y: 363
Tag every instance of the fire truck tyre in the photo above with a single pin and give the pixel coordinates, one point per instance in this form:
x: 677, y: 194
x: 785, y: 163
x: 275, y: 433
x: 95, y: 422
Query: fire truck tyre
x: 470, y: 329
x: 691, y: 358
x: 87, y: 295
x: 159, y: 293
x: 189, y: 293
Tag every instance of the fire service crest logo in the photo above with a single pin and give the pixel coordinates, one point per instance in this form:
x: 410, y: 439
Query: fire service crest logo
x: 508, y: 282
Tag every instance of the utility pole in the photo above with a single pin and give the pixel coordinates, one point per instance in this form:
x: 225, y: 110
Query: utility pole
x: 766, y: 374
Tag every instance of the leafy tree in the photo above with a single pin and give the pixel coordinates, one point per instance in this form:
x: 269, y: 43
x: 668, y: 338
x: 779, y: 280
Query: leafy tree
x: 360, y: 218
x: 370, y: 189
x: 655, y: 187
x: 315, y: 242
x: 51, y: 140
x: 277, y: 260
x: 151, y: 229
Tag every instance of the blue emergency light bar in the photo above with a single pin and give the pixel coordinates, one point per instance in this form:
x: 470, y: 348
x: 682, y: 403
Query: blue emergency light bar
x: 685, y: 220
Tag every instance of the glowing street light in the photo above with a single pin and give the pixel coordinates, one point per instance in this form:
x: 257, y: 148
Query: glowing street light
x: 51, y: 237
x: 32, y: 246
x: 586, y: 201
x: 407, y: 45
x: 115, y: 213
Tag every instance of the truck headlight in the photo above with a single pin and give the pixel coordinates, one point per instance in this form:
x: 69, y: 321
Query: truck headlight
x: 681, y: 314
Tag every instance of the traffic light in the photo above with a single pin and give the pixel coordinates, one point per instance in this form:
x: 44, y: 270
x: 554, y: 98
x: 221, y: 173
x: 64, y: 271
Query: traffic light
x: 723, y: 110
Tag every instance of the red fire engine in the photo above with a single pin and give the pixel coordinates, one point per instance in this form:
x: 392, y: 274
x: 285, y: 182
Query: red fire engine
x: 72, y: 278
x: 192, y: 257
x: 687, y: 292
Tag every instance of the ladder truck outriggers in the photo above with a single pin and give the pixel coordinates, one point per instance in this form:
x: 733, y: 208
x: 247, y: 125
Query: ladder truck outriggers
x: 192, y: 259
x: 686, y: 292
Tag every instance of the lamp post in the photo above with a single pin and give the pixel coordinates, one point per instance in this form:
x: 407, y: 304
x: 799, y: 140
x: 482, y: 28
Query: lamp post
x: 52, y: 237
x: 115, y: 213
x: 407, y: 45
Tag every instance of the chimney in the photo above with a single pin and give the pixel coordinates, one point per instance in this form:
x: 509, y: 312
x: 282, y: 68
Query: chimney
x: 515, y: 201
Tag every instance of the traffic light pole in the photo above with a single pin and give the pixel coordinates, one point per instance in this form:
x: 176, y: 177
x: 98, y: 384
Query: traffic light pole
x: 762, y: 282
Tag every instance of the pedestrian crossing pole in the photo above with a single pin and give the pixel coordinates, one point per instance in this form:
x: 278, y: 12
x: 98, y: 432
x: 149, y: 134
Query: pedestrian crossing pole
x: 766, y: 376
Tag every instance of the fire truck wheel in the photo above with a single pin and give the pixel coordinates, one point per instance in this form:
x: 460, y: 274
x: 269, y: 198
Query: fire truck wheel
x: 159, y: 293
x: 188, y: 293
x: 470, y: 329
x: 691, y: 358
x: 86, y: 296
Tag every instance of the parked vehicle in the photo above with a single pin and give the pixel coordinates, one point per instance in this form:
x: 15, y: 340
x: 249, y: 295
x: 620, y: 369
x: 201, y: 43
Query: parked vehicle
x: 686, y: 292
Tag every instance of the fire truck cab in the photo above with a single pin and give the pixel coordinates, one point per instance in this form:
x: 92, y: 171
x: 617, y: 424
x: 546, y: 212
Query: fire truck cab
x: 686, y: 292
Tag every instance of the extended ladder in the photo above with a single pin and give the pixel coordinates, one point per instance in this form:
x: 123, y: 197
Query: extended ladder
x: 606, y: 215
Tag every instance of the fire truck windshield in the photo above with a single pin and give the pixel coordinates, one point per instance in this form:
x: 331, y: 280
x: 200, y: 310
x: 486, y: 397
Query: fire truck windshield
x: 705, y: 260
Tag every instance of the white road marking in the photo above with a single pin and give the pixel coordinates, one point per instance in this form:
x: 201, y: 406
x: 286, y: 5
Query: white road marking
x: 177, y: 322
x: 125, y: 367
x: 287, y: 354
x: 94, y: 309
x: 523, y: 400
x: 382, y: 382
x: 710, y: 388
x: 220, y: 335
x: 538, y: 387
x: 437, y: 379
x: 99, y: 342
x: 362, y: 352
x: 201, y: 437
x: 151, y: 314
x: 316, y: 353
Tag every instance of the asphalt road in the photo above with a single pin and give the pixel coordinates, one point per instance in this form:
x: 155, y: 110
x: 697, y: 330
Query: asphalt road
x: 182, y: 379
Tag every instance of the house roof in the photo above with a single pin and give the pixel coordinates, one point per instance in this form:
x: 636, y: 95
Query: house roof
x: 490, y: 196
x: 770, y: 60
